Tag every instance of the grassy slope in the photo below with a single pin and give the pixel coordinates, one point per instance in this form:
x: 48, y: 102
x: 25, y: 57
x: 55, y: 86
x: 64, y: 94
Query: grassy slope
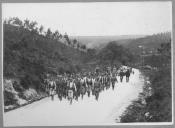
x: 19, y: 44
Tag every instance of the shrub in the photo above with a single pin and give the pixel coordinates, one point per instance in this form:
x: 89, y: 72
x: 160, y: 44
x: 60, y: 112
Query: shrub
x: 9, y: 98
x: 17, y: 87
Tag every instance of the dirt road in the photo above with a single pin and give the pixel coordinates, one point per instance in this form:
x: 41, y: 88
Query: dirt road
x: 87, y: 111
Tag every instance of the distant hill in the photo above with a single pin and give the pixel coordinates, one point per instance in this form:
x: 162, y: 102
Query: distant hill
x: 148, y: 44
x: 99, y: 42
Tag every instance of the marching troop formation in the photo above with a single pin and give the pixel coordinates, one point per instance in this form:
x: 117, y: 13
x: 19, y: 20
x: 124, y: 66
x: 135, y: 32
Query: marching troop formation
x: 72, y: 86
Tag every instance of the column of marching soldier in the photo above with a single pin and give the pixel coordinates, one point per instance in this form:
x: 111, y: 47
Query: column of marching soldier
x: 72, y: 86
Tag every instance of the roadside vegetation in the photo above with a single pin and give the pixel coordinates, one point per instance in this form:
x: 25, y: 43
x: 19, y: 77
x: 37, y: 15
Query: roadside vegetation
x: 155, y: 103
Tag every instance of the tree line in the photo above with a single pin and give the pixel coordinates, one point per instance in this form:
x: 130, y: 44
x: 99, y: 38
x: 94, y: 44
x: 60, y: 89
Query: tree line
x: 33, y: 27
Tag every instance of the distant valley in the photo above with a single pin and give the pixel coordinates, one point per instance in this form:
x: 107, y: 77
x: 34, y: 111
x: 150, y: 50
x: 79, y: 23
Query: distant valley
x: 149, y: 43
x: 99, y: 42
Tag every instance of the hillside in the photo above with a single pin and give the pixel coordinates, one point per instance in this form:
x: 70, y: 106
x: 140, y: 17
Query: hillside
x: 28, y: 58
x: 21, y: 45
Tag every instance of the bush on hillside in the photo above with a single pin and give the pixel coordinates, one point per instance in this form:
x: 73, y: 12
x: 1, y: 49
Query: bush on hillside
x: 160, y: 103
x: 113, y: 53
x: 9, y: 98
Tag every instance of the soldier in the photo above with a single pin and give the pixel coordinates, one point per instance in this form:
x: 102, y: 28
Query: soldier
x: 52, y: 86
x: 109, y: 70
x: 59, y: 88
x: 96, y: 89
x: 114, y: 70
x: 82, y: 87
x: 89, y: 85
x: 113, y: 80
x: 127, y: 75
x: 97, y: 70
x: 121, y: 74
x: 71, y: 90
x: 77, y: 84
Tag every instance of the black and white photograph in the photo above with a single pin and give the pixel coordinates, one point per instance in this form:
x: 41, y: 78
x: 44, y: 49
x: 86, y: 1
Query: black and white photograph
x: 87, y: 63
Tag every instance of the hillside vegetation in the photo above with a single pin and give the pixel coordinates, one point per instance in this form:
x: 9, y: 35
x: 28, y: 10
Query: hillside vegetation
x: 30, y: 55
x: 155, y: 103
x: 114, y: 54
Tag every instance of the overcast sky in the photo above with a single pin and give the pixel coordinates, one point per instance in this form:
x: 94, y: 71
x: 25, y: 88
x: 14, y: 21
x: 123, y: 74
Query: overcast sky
x: 96, y: 19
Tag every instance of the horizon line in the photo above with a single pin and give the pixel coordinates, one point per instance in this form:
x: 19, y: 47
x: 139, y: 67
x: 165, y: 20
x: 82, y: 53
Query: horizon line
x: 122, y: 35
